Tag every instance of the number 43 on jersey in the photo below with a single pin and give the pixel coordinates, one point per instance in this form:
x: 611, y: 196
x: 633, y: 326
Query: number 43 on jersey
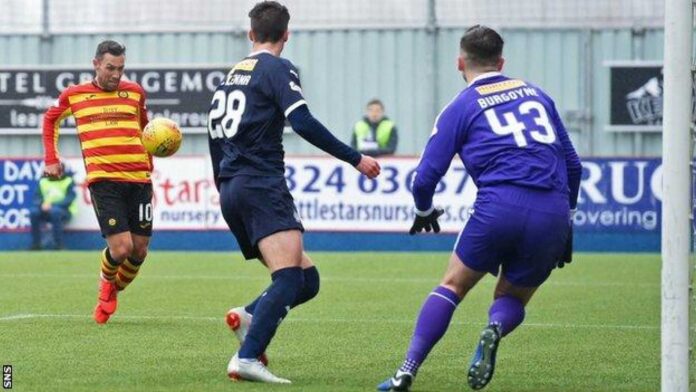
x: 544, y: 133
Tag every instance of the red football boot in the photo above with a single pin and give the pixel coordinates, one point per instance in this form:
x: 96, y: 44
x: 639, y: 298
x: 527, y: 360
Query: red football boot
x: 107, y: 301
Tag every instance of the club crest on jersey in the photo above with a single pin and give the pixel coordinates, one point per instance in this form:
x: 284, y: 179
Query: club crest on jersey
x: 123, y: 94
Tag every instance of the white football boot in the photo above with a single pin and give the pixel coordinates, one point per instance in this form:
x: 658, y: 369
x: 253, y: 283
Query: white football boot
x: 239, y: 320
x: 252, y: 370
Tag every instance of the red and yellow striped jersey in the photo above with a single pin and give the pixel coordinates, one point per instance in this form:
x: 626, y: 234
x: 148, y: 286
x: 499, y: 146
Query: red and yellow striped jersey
x: 109, y: 125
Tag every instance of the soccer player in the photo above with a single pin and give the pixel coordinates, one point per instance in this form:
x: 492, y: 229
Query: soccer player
x: 514, y: 146
x: 246, y: 121
x: 110, y: 115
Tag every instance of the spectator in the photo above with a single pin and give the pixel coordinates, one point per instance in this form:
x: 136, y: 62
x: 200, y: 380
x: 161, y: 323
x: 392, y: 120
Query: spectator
x: 55, y: 203
x: 375, y: 134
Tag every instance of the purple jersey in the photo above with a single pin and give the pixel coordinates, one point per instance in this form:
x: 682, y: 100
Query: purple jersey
x: 506, y: 131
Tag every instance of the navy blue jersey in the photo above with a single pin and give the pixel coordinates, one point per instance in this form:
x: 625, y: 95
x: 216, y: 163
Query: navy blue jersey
x: 506, y: 131
x: 247, y: 116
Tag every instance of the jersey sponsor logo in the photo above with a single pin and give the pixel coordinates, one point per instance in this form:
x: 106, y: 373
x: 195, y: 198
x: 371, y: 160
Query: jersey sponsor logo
x: 245, y: 65
x: 295, y: 87
x: 80, y: 98
x: 500, y: 86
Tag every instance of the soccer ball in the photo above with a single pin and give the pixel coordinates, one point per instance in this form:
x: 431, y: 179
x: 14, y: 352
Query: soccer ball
x: 161, y: 137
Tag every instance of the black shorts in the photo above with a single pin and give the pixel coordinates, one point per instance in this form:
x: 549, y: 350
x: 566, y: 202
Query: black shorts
x: 255, y: 207
x: 122, y: 206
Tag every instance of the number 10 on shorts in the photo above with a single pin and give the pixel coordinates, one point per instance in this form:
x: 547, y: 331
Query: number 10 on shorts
x: 145, y: 212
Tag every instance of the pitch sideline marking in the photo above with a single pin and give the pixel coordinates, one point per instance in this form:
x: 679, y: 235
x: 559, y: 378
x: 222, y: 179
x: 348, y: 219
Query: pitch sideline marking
x: 17, y: 317
x: 23, y: 316
x: 433, y: 280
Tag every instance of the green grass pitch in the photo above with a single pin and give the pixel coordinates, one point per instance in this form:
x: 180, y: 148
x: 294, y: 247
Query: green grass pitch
x: 594, y: 326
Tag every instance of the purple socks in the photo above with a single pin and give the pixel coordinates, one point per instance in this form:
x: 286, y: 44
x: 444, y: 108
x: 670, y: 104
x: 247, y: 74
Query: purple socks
x: 508, y: 312
x: 433, y: 320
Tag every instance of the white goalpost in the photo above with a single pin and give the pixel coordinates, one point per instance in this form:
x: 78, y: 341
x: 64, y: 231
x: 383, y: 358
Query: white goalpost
x: 676, y: 203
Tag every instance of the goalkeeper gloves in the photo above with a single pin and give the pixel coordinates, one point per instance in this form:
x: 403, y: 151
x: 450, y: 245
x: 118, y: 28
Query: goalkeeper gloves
x: 426, y: 221
x: 567, y: 256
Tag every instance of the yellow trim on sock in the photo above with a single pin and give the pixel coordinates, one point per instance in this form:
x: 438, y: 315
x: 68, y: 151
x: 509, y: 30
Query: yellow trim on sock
x: 123, y: 270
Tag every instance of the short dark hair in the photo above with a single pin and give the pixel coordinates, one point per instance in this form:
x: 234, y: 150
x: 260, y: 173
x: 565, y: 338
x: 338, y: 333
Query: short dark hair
x: 483, y: 46
x: 376, y: 101
x: 113, y: 48
x: 269, y: 21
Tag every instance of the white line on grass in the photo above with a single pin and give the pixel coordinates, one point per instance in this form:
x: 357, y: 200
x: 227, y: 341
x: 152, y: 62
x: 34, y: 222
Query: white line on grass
x: 12, y: 317
x: 433, y: 280
x: 17, y: 317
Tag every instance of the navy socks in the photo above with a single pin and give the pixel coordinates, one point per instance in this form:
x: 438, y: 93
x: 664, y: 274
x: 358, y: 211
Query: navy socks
x: 310, y: 289
x: 272, y: 306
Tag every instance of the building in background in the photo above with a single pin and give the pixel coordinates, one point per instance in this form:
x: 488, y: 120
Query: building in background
x: 565, y: 45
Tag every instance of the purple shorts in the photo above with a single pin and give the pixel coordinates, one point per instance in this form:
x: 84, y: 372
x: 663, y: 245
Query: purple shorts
x: 519, y: 230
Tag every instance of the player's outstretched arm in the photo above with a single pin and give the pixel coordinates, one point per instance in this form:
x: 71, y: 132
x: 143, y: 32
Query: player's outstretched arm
x: 310, y: 129
x: 51, y: 124
x: 442, y: 146
x: 368, y: 166
x: 567, y: 256
x: 574, y: 172
x: 54, y: 170
x: 573, y: 165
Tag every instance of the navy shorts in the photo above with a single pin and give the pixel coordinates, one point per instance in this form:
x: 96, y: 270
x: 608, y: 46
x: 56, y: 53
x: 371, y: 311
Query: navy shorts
x: 255, y: 207
x: 521, y: 231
